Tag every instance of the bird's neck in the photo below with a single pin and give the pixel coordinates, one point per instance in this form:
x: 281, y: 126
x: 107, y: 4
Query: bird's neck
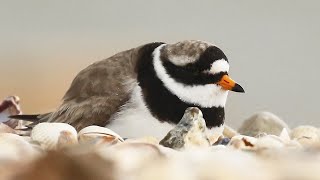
x: 161, y: 102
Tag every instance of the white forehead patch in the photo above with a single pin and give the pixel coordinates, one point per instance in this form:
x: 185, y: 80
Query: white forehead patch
x: 182, y: 60
x: 218, y: 66
x: 206, y: 96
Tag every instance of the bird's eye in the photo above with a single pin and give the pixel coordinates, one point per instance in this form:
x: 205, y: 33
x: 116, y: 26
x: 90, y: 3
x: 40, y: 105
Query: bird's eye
x: 215, y: 78
x: 192, y: 69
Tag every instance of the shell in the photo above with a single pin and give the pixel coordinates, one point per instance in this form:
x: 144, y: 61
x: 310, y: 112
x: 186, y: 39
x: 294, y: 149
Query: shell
x: 98, y: 135
x: 270, y: 142
x: 306, y: 135
x: 52, y: 136
x: 243, y: 142
x: 264, y: 142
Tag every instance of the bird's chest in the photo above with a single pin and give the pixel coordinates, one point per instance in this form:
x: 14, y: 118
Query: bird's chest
x: 135, y: 119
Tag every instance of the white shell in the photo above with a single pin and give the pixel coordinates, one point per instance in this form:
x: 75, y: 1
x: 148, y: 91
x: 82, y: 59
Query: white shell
x: 270, y: 142
x: 264, y: 142
x: 243, y: 142
x: 54, y: 135
x: 99, y: 133
x: 306, y: 135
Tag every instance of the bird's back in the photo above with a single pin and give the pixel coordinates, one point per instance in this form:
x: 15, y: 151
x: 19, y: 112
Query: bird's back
x: 97, y: 91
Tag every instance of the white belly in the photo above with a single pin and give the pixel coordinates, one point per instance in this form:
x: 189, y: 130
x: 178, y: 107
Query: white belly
x: 135, y: 120
x: 135, y: 124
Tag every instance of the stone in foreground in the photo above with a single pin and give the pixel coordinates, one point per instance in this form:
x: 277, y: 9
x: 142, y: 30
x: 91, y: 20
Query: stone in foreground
x: 189, y: 132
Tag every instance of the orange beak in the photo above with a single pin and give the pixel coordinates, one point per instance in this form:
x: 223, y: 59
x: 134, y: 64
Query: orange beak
x: 228, y: 84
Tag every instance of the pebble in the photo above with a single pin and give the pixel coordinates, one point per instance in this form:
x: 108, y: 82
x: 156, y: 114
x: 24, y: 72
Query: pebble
x: 190, y: 132
x: 263, y: 122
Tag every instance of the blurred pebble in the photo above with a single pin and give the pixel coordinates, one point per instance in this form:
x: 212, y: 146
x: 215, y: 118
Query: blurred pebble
x: 60, y: 166
x: 223, y: 141
x: 263, y: 122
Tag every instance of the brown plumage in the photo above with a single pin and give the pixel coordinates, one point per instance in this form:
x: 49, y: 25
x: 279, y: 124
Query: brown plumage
x: 97, y: 92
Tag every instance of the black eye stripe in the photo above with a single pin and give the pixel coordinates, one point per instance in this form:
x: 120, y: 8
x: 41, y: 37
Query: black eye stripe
x: 198, y: 72
x: 191, y: 76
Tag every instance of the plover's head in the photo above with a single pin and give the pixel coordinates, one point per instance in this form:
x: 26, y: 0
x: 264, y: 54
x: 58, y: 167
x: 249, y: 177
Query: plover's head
x: 196, y: 72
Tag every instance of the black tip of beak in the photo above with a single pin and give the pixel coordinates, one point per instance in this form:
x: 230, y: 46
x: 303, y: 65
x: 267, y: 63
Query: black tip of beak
x: 237, y: 88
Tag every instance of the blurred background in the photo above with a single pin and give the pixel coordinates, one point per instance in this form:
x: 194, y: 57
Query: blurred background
x: 272, y: 46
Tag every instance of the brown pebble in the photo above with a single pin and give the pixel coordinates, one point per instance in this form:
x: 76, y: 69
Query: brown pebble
x: 60, y: 166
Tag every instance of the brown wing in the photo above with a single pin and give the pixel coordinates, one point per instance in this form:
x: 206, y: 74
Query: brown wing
x: 97, y: 92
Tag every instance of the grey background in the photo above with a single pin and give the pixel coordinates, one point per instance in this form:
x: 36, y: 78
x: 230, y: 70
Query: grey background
x: 272, y: 46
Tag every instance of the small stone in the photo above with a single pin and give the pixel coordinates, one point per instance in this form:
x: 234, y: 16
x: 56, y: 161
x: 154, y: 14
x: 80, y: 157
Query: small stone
x: 263, y: 122
x: 223, y: 141
x: 189, y: 132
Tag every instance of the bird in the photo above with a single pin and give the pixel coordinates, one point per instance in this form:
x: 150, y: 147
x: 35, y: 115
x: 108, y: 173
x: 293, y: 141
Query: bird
x: 146, y: 90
